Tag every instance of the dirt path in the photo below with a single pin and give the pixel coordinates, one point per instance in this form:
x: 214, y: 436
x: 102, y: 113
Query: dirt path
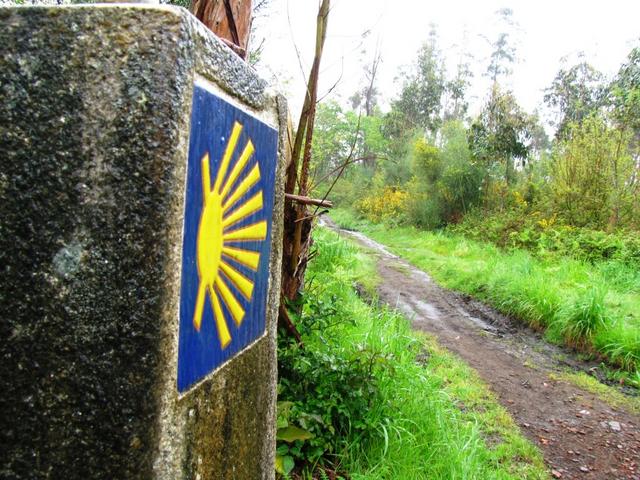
x: 579, y: 435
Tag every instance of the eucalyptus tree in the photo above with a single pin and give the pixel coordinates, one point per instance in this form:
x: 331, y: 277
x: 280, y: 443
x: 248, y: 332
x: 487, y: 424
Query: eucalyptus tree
x: 624, y: 93
x: 503, y: 50
x: 456, y: 104
x: 367, y: 95
x: 501, y: 134
x: 574, y: 94
x: 420, y: 101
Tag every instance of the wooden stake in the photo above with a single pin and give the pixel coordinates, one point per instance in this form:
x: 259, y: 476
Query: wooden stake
x: 228, y: 19
x: 309, y: 201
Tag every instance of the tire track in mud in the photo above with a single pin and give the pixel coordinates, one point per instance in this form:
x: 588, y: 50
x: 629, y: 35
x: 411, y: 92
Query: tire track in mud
x: 580, y: 436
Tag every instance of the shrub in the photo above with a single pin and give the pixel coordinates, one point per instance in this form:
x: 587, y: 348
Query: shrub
x: 424, y: 212
x: 387, y: 206
x: 519, y: 228
x: 446, y: 182
x: 592, y: 178
x: 330, y: 391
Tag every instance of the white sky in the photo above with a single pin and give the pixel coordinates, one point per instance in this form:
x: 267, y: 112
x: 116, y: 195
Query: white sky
x: 548, y: 30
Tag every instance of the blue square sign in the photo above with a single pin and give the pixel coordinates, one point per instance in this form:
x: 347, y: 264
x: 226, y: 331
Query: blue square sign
x: 227, y: 234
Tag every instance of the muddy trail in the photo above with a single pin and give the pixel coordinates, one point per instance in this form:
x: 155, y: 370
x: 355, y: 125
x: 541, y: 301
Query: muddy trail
x: 580, y: 436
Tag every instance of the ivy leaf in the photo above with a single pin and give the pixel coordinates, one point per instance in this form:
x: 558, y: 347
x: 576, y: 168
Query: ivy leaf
x: 282, y: 449
x: 283, y: 414
x: 284, y: 464
x: 293, y: 433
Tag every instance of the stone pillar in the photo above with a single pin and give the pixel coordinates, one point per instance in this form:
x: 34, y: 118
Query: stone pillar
x: 141, y: 195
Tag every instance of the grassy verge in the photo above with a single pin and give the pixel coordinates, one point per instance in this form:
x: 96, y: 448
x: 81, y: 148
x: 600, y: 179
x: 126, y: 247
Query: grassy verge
x: 378, y: 401
x: 592, y: 307
x: 606, y: 393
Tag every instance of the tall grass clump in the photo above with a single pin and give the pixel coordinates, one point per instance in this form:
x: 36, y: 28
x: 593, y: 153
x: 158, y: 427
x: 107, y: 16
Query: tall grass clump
x: 580, y: 320
x: 620, y: 276
x: 623, y: 347
x: 369, y: 399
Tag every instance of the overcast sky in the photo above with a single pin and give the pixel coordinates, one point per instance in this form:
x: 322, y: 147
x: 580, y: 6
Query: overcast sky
x: 548, y: 30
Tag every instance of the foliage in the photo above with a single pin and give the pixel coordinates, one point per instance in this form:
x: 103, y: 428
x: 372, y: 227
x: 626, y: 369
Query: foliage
x: 424, y: 206
x: 368, y: 94
x: 545, y: 236
x: 500, y: 135
x: 462, y: 176
x: 503, y: 52
x: 456, y: 105
x: 446, y: 182
x: 420, y: 101
x: 575, y: 94
x: 330, y: 390
x: 326, y: 388
x: 625, y: 94
x: 427, y: 164
x: 592, y: 181
x: 181, y: 3
x: 333, y: 135
x: 387, y: 206
x: 342, y: 135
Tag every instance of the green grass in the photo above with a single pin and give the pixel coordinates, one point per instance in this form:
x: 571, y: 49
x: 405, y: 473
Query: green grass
x: 592, y: 307
x: 606, y: 393
x: 432, y: 417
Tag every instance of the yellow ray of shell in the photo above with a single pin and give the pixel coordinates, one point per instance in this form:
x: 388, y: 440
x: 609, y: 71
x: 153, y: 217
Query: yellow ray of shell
x: 238, y: 167
x: 252, y: 205
x: 247, y: 258
x: 244, y: 285
x: 206, y: 178
x: 256, y: 231
x: 226, y: 158
x: 221, y: 323
x: 248, y: 182
x: 197, y: 314
x: 237, y: 312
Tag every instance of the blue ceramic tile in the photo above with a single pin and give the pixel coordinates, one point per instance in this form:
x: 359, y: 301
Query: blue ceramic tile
x: 227, y: 235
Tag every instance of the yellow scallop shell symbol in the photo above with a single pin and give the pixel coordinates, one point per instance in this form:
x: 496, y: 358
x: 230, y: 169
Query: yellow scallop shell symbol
x: 218, y: 234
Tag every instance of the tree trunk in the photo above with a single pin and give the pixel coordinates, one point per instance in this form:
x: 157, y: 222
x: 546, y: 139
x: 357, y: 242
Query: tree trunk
x: 298, y: 223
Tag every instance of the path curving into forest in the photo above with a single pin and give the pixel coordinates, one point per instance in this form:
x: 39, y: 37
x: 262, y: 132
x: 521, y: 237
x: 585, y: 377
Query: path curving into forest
x: 580, y: 436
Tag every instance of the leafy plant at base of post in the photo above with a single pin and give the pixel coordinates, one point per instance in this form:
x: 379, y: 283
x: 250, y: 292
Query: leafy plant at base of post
x: 329, y: 389
x: 287, y: 433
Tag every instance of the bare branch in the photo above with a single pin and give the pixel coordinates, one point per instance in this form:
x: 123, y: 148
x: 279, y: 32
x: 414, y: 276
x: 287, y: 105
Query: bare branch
x: 332, y: 88
x: 346, y: 163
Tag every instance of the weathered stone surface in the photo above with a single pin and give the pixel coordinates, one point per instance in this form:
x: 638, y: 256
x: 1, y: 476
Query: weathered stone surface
x: 94, y: 126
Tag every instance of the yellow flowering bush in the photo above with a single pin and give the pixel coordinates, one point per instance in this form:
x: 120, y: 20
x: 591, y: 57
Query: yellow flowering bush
x: 388, y: 205
x: 546, y: 224
x: 519, y: 200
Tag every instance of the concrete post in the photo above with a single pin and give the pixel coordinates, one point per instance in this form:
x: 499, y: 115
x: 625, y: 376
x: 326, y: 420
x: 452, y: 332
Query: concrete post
x: 141, y: 198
